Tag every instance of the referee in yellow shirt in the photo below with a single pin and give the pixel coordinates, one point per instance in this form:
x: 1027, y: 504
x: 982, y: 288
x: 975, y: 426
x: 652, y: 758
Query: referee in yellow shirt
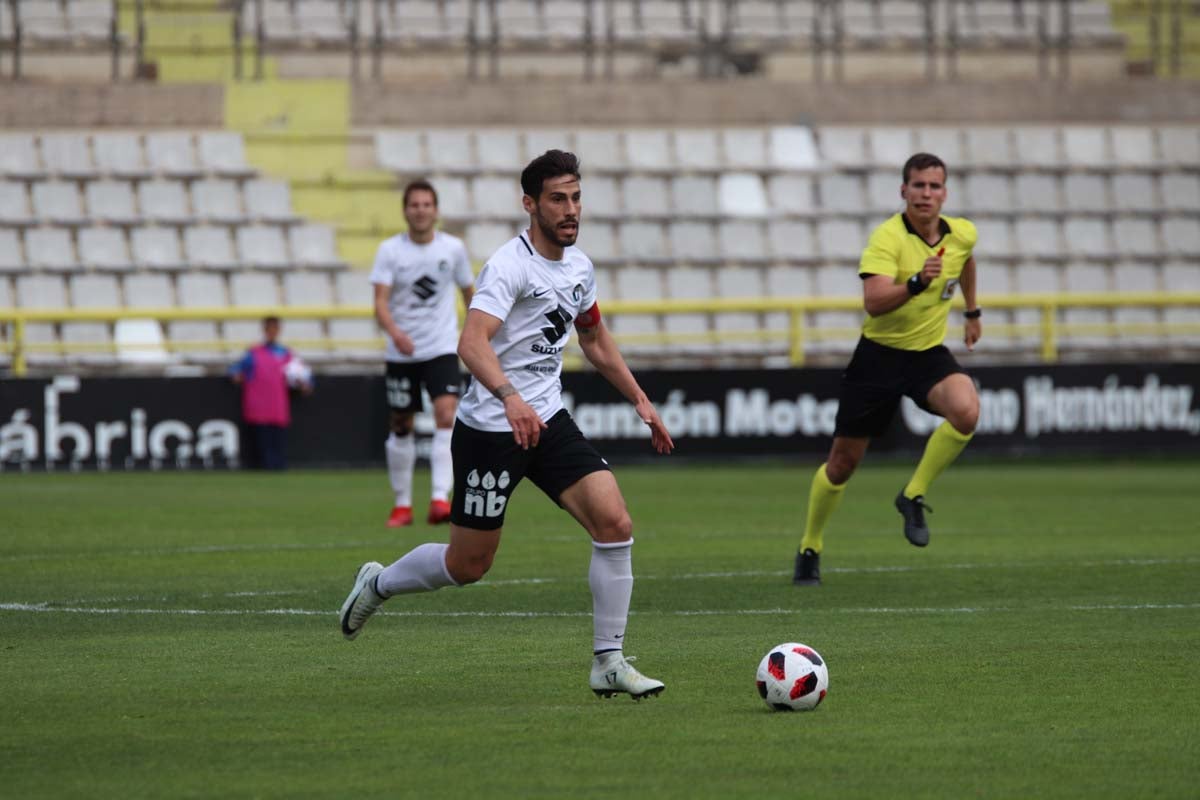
x: 910, y: 270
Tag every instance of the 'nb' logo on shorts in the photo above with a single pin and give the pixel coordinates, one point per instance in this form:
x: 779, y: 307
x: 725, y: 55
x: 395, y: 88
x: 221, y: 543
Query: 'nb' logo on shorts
x: 480, y: 500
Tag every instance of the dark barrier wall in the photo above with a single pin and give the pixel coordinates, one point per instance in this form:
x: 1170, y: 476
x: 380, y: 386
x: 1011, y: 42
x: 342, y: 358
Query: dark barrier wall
x: 137, y: 423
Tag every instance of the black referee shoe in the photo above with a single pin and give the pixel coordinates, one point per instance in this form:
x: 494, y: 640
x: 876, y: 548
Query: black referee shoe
x: 913, y: 511
x: 808, y: 568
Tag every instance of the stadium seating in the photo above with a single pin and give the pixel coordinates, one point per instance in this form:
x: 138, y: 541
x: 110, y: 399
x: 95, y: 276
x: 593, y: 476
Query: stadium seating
x: 403, y: 39
x: 178, y: 218
x: 543, y: 26
x: 857, y: 39
x: 120, y: 213
x: 1059, y: 208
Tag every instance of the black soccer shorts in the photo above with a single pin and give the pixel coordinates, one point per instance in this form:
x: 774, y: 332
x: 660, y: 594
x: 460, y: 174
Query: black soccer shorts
x: 489, y: 465
x: 878, y: 376
x: 404, y: 380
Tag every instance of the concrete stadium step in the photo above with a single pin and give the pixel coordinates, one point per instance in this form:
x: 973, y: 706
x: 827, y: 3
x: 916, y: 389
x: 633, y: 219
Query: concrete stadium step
x: 189, y: 41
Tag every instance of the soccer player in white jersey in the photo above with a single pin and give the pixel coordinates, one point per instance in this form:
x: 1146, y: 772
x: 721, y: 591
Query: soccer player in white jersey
x: 512, y: 424
x: 414, y: 304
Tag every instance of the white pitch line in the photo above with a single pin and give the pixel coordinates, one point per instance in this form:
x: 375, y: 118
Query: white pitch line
x: 1119, y: 562
x: 45, y: 608
x: 193, y: 550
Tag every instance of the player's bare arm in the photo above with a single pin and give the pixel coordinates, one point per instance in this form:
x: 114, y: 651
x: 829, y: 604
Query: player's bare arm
x: 601, y: 350
x: 882, y: 294
x: 972, y: 327
x: 383, y: 316
x: 467, y: 293
x: 475, y: 350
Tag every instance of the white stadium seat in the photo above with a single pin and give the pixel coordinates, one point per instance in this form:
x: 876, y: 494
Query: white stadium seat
x: 263, y: 247
x: 597, y: 149
x: 119, y: 155
x: 68, y: 155
x: 792, y: 148
x: 697, y: 149
x: 314, y: 246
x: 104, y: 249
x: 148, y: 290
x: 12, y: 258
x: 171, y: 154
x: 164, y: 201
x: 208, y: 247
x: 111, y: 201
x: 217, y: 200
x: 741, y: 194
x: 223, y: 153
x: 744, y: 148
x: 268, y: 200
x: 19, y: 157
x: 14, y: 204
x: 50, y: 249
x: 253, y: 289
x: 58, y: 202
x: 693, y: 242
x: 156, y: 249
x: 649, y: 150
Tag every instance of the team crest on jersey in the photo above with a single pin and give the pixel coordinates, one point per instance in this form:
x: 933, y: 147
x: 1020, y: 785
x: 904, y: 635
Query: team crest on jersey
x: 443, y: 265
x: 577, y: 292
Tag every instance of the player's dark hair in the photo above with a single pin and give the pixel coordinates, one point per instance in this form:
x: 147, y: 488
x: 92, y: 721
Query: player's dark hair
x: 420, y: 186
x: 549, y: 164
x: 271, y: 320
x: 923, y: 161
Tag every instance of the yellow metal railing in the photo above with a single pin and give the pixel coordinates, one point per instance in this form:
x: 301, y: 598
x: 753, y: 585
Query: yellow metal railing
x: 799, y: 331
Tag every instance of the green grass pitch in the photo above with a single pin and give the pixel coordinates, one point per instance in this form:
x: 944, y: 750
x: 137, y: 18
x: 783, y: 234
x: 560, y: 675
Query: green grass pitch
x: 175, y: 635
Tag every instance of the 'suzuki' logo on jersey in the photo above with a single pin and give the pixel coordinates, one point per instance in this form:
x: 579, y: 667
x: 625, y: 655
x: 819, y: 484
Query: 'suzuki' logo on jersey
x: 425, y: 287
x: 559, y: 319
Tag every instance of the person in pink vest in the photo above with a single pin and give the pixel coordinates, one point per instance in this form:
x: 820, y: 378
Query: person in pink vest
x: 265, y: 377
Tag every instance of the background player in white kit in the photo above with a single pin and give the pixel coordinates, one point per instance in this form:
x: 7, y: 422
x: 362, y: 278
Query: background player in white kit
x: 414, y: 304
x: 512, y: 424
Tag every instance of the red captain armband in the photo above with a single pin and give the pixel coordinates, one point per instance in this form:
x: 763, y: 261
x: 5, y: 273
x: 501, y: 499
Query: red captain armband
x: 589, y: 318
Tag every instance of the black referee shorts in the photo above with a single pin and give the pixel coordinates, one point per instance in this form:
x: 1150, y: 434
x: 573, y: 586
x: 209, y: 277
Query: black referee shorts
x: 489, y: 465
x: 878, y: 376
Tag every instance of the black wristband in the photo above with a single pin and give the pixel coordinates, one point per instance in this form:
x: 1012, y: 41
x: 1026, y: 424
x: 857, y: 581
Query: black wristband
x: 975, y: 313
x: 915, y: 286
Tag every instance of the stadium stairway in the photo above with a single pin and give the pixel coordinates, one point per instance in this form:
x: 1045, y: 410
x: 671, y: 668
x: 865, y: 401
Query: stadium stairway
x: 188, y: 40
x: 299, y: 130
x: 296, y: 130
x: 1133, y: 18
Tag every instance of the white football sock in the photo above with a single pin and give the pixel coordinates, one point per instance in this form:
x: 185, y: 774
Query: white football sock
x: 401, y: 454
x: 611, y: 577
x: 421, y: 569
x: 441, y: 465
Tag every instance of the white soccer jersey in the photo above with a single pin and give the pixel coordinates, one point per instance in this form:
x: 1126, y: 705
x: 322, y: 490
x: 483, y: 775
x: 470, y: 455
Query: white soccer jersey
x: 538, y: 300
x: 422, y: 278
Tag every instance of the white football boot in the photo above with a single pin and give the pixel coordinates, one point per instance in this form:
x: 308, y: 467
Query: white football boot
x: 363, y: 601
x: 613, y: 674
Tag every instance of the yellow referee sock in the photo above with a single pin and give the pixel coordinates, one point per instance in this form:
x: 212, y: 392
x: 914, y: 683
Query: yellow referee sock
x: 823, y: 500
x: 943, y: 447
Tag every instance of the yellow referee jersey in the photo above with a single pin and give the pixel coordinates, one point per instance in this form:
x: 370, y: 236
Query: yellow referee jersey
x: 896, y: 249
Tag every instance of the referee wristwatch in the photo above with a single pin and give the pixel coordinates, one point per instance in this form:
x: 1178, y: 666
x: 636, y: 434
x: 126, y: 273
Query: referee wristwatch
x: 916, y: 285
x: 973, y: 313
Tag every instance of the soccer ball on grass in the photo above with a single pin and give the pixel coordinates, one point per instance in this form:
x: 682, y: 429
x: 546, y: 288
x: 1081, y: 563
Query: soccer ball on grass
x: 792, y: 677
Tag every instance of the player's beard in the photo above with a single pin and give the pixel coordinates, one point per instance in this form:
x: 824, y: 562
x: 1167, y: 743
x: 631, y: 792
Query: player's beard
x: 552, y: 233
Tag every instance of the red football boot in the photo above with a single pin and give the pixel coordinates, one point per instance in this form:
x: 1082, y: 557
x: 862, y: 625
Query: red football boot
x: 439, y: 512
x: 401, y: 516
